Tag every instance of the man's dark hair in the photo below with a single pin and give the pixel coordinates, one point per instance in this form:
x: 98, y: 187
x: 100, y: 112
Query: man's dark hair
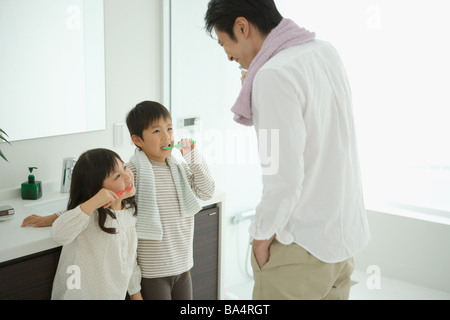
x: 222, y: 14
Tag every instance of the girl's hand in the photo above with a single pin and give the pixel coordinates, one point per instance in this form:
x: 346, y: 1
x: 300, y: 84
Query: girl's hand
x: 188, y: 146
x: 36, y: 221
x: 137, y: 296
x: 104, y: 198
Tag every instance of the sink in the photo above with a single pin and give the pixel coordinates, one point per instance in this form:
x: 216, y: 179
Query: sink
x: 49, y: 207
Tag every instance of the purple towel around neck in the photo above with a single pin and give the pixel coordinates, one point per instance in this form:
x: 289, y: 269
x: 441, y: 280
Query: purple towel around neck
x: 285, y: 35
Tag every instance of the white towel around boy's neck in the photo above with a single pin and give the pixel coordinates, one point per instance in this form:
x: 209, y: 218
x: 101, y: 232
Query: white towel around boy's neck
x: 148, y: 224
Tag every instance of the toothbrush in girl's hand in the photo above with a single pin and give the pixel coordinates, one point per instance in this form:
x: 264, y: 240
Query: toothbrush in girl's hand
x: 240, y: 67
x: 126, y: 190
x: 119, y: 194
x: 177, y: 146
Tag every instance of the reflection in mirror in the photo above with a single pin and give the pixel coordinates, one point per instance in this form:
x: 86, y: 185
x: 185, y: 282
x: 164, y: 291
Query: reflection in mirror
x: 52, y: 79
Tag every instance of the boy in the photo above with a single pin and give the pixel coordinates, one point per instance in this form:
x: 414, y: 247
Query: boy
x: 167, y: 192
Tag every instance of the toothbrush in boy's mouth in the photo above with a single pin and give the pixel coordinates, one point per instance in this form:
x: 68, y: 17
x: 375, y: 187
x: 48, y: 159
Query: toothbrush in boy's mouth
x: 177, y: 146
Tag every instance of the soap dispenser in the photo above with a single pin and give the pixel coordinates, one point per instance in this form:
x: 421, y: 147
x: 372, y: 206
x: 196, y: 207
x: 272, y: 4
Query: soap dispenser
x: 31, y: 190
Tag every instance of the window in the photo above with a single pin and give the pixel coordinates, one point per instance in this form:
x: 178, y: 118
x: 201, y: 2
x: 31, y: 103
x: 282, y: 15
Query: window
x: 396, y: 55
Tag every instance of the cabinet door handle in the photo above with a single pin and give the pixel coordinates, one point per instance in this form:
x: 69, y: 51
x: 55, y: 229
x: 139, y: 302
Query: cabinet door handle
x: 212, y: 214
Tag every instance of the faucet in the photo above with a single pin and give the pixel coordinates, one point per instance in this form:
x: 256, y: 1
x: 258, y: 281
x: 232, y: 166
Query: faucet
x: 66, y: 179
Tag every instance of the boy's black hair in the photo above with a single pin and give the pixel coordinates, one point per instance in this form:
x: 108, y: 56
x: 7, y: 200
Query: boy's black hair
x: 144, y: 115
x: 222, y: 14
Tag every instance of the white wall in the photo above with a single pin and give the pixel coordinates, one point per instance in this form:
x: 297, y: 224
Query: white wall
x: 133, y: 60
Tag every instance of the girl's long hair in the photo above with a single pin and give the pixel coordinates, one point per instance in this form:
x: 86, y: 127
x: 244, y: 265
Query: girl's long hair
x: 91, y: 169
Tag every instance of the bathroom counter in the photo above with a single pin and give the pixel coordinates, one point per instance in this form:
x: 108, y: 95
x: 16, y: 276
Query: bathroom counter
x: 17, y: 242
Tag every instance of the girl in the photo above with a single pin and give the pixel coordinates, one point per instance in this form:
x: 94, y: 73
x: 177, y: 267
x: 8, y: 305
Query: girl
x: 98, y: 234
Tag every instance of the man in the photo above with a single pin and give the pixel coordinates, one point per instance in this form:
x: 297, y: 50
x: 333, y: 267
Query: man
x: 311, y: 220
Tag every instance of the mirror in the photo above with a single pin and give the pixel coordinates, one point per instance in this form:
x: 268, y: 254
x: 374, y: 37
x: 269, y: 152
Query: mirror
x: 52, y: 79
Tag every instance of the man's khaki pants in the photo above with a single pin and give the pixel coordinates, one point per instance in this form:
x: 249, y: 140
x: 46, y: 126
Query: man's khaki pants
x: 292, y: 273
